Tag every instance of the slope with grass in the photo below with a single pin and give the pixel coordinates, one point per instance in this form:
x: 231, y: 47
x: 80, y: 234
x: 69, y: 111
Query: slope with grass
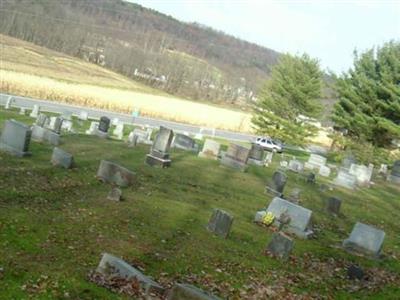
x: 30, y: 70
x: 55, y: 223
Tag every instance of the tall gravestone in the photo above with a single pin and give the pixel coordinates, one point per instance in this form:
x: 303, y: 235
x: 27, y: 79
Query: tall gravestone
x: 220, y: 223
x: 277, y: 185
x: 211, y: 149
x: 299, y: 217
x: 15, y: 138
x: 159, y: 152
x: 35, y: 111
x: 395, y: 173
x: 236, y: 157
x: 365, y: 239
x: 256, y: 155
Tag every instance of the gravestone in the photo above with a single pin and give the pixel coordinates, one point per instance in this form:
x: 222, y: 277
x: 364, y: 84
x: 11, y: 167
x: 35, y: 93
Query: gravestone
x: 315, y: 161
x: 365, y: 239
x: 294, y: 196
x: 184, y: 142
x: 159, y: 155
x: 280, y: 246
x: 93, y: 128
x: 35, y: 111
x: 345, y: 180
x: 276, y: 186
x: 348, y: 161
x: 67, y: 115
x: 22, y: 111
x: 66, y: 125
x: 295, y: 166
x: 119, y: 131
x: 114, y: 266
x: 362, y: 173
x: 115, y: 174
x: 383, y: 170
x: 324, y: 171
x: 42, y: 120
x: 104, y: 124
x: 283, y: 163
x: 299, y: 217
x: 62, y: 158
x: 55, y: 124
x: 188, y: 292
x: 333, y: 205
x: 395, y: 173
x: 142, y: 136
x: 9, y: 102
x: 268, y: 158
x: 115, y: 194
x: 310, y: 178
x: 45, y: 135
x: 236, y: 157
x: 220, y: 223
x: 211, y: 149
x: 256, y: 155
x: 115, y: 121
x: 15, y: 138
x: 132, y: 139
x: 83, y: 116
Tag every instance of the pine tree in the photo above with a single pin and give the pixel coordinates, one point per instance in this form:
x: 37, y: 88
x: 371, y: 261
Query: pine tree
x: 369, y: 96
x: 294, y: 89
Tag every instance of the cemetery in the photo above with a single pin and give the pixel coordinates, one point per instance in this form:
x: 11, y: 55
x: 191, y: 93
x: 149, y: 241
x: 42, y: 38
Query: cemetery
x: 97, y: 218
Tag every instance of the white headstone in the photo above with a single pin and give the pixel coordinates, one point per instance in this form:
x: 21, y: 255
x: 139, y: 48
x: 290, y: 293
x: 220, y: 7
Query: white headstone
x: 362, y: 173
x: 119, y: 131
x: 211, y: 149
x: 83, y: 116
x: 365, y: 238
x: 67, y: 125
x: 93, y: 128
x: 315, y: 161
x: 324, y: 171
x: 345, y: 179
x: 115, y: 121
x: 35, y: 111
x: 295, y: 166
x: 10, y: 100
x: 22, y: 111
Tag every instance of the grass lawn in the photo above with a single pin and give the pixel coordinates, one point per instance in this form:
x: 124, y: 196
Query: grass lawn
x: 56, y: 223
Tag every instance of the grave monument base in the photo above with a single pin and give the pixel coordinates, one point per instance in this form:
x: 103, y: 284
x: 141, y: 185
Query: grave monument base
x: 12, y: 151
x: 156, y: 161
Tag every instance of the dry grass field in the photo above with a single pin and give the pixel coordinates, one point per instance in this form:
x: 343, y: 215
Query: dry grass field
x: 29, y: 70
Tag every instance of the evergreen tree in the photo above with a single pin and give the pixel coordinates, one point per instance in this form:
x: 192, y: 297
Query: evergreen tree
x: 294, y: 89
x: 369, y: 96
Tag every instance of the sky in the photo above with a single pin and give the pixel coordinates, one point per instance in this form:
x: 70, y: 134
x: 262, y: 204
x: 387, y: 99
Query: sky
x: 327, y: 30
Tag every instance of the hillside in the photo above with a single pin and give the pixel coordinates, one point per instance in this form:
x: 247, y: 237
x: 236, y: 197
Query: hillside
x: 56, y: 223
x: 180, y: 58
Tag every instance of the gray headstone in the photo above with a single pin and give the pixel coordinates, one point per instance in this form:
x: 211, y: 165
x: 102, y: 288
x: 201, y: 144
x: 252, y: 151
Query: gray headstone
x: 315, y: 161
x: 220, y: 223
x: 236, y: 157
x: 278, y: 183
x: 294, y: 196
x: 365, y: 239
x: 300, y: 217
x: 67, y: 115
x: 15, y: 138
x: 395, y: 173
x: 348, y: 161
x: 333, y: 205
x: 142, y: 136
x: 112, y: 173
x: 42, y: 120
x: 62, y: 158
x: 10, y: 100
x: 115, y: 194
x: 295, y: 165
x: 104, y: 124
x: 35, y: 111
x: 22, y: 111
x: 93, y: 128
x: 55, y: 124
x: 362, y: 173
x: 344, y: 179
x: 111, y: 265
x: 324, y: 171
x: 280, y: 246
x: 188, y: 292
x: 133, y: 139
x: 41, y: 134
x: 256, y: 152
x: 184, y: 142
x: 211, y: 149
x: 162, y: 142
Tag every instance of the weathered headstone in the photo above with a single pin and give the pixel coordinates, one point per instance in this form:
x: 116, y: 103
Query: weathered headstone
x: 62, y: 158
x: 22, y: 111
x: 324, y: 171
x: 268, y: 158
x: 383, y: 169
x: 220, y: 223
x: 315, y: 161
x: 345, y: 179
x: 299, y: 217
x: 142, y: 136
x: 211, y: 149
x: 67, y: 115
x: 42, y: 120
x: 104, y: 124
x: 9, y: 102
x: 294, y: 196
x: 132, y: 139
x: 93, y: 128
x: 115, y: 121
x: 15, y: 138
x: 55, y: 124
x: 83, y: 116
x: 184, y: 142
x: 362, y: 173
x: 395, y: 173
x: 365, y: 239
x: 188, y: 292
x: 114, y: 266
x: 159, y: 155
x: 333, y: 205
x: 348, y: 161
x: 115, y: 194
x: 295, y: 166
x: 119, y: 131
x: 280, y: 246
x: 277, y: 184
x: 35, y: 111
x: 41, y: 134
x: 66, y: 125
x: 115, y: 174
x: 236, y: 157
x: 256, y: 155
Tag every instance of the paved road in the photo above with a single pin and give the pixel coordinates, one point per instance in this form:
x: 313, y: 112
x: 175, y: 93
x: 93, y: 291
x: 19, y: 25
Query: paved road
x: 95, y: 113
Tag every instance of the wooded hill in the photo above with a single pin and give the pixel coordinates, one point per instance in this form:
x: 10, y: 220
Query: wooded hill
x: 181, y: 58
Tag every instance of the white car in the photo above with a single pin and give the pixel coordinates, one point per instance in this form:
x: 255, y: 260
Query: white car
x: 269, y: 144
